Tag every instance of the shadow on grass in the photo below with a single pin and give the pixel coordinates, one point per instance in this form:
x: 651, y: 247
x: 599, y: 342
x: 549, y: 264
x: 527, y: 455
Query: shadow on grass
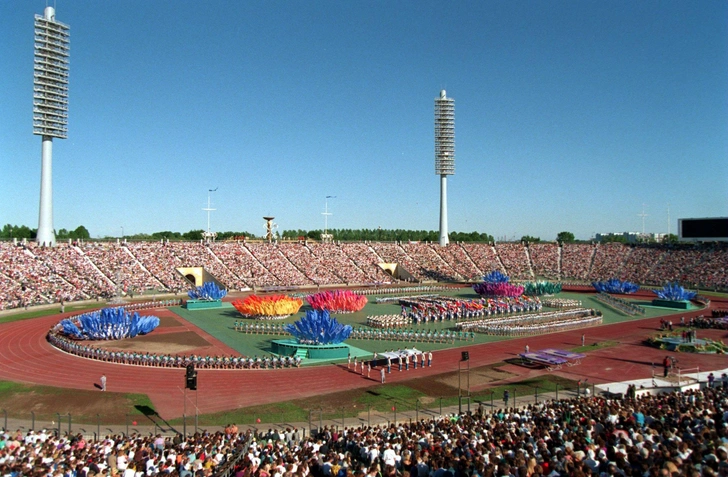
x: 155, y: 418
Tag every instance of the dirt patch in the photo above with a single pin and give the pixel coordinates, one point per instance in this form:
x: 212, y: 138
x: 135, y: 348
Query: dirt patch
x: 169, y: 343
x: 168, y: 322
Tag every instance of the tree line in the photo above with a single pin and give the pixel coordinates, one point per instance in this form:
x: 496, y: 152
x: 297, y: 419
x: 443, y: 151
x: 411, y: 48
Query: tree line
x: 9, y: 232
x: 387, y: 235
x: 24, y: 232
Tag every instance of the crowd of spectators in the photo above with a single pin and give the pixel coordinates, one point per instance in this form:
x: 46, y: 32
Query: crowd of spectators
x: 271, y: 257
x: 45, y: 453
x: 639, y: 262
x: 515, y: 259
x: 483, y: 256
x: 251, y: 272
x: 608, y: 259
x: 199, y: 254
x: 30, y: 274
x: 161, y: 261
x: 332, y: 256
x: 671, y: 434
x: 431, y: 265
x: 544, y: 259
x: 303, y: 259
x: 116, y: 262
x: 392, y: 252
x: 671, y: 266
x: 456, y: 256
x: 576, y: 260
x: 367, y: 260
x: 711, y: 270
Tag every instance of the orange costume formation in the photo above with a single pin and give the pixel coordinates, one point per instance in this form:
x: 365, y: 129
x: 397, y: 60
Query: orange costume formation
x: 268, y: 306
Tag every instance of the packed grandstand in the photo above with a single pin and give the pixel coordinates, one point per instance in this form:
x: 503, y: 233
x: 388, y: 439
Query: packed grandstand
x: 675, y: 434
x: 33, y: 275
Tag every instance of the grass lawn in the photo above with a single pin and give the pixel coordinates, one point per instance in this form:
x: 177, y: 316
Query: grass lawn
x: 383, y: 400
x: 38, y: 313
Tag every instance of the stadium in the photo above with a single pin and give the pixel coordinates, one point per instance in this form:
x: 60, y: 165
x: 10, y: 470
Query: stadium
x: 361, y: 358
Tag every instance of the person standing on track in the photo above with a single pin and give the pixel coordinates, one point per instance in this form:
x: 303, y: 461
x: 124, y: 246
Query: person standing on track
x: 103, y: 382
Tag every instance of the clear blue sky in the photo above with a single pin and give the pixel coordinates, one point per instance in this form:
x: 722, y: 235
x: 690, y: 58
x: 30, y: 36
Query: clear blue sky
x: 569, y: 114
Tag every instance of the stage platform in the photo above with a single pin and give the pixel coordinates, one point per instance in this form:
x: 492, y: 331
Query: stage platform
x: 203, y: 304
x: 671, y: 343
x: 678, y: 305
x: 305, y: 351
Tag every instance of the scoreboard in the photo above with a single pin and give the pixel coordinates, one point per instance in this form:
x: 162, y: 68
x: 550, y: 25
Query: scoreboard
x: 712, y: 229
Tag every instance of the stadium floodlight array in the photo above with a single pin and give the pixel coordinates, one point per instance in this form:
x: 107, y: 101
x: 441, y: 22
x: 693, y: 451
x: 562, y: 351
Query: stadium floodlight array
x: 50, y: 106
x: 444, y: 153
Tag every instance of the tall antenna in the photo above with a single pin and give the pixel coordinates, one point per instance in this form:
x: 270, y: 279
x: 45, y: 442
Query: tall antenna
x: 444, y: 154
x: 668, y: 220
x: 326, y: 237
x: 50, y: 106
x: 643, y: 215
x: 208, y: 234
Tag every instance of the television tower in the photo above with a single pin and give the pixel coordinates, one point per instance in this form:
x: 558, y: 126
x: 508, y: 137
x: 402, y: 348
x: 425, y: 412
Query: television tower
x: 50, y: 107
x: 444, y: 154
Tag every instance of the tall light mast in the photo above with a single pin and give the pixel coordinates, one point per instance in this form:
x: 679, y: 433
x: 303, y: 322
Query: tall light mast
x: 209, y: 235
x: 444, y: 154
x: 326, y: 237
x: 50, y: 107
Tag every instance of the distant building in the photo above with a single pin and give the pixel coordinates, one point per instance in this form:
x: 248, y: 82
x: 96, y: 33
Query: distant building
x: 629, y: 237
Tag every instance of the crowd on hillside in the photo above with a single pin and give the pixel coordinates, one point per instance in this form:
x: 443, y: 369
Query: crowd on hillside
x: 32, y: 275
x: 674, y: 434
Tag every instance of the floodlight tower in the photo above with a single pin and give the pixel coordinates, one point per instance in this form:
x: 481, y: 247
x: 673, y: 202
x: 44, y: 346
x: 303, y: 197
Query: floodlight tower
x: 444, y: 153
x: 50, y: 107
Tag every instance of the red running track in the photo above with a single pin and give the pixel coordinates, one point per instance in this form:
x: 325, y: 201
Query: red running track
x: 27, y: 357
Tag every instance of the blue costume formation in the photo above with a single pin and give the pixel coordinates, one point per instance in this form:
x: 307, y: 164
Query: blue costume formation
x: 207, y: 292
x: 108, y: 324
x: 674, y: 292
x: 319, y: 328
x: 615, y: 286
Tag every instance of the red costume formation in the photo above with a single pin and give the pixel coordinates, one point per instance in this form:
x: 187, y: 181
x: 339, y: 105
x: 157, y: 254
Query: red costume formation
x: 339, y: 301
x: 498, y: 289
x: 268, y: 306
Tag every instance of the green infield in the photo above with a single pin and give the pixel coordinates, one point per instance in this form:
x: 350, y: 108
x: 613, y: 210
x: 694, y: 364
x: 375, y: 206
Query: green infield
x: 221, y: 323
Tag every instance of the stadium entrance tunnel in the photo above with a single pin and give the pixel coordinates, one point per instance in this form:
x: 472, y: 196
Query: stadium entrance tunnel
x: 397, y: 271
x: 198, y: 276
